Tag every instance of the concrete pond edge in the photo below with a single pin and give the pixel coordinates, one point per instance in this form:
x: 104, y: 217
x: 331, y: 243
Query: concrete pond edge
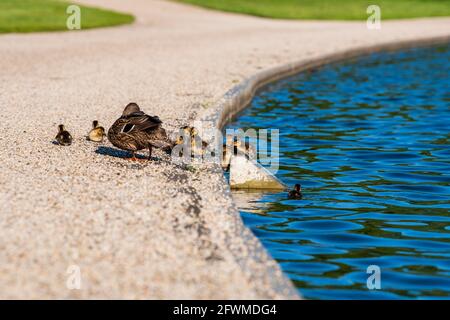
x: 237, y: 99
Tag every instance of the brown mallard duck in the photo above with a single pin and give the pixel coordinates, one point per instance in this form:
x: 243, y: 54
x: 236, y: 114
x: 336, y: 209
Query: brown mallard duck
x: 135, y: 131
x: 63, y: 137
x: 296, y: 193
x: 97, y: 133
x: 198, y: 146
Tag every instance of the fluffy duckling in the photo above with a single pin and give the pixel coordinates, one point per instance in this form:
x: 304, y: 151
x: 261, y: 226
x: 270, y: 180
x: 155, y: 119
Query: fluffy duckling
x: 196, y: 138
x: 97, y: 133
x: 236, y: 147
x: 226, y: 158
x: 186, y: 132
x: 244, y: 147
x: 198, y: 146
x: 296, y: 193
x: 63, y: 137
x: 135, y: 131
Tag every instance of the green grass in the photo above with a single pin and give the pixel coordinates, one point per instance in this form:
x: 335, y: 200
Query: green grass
x: 329, y: 9
x: 50, y: 15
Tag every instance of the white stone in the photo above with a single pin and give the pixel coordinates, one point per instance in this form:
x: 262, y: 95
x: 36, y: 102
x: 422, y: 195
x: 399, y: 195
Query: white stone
x: 249, y: 174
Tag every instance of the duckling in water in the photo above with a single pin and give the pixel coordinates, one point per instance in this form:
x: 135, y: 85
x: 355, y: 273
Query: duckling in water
x: 296, y: 193
x: 97, y: 133
x: 192, y: 133
x: 63, y: 137
x: 135, y: 131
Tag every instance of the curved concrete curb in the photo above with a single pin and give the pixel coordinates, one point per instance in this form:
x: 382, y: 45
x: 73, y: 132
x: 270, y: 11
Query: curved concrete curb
x: 239, y: 97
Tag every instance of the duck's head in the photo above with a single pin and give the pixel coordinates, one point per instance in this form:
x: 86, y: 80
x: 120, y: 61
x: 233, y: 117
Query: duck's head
x: 242, y: 144
x: 179, y: 140
x: 298, y: 188
x: 187, y: 130
x: 94, y: 124
x: 194, y: 132
x: 130, y: 108
x: 61, y: 128
x: 238, y: 143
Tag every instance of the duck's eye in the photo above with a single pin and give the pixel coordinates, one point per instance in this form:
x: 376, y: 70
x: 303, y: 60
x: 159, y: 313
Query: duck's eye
x: 128, y: 127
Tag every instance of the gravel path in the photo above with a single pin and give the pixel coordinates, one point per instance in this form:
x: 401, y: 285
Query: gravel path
x: 151, y: 230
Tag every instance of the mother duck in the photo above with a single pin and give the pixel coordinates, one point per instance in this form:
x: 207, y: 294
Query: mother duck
x: 135, y: 131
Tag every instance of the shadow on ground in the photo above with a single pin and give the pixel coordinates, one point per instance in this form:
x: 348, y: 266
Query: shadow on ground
x: 116, y: 153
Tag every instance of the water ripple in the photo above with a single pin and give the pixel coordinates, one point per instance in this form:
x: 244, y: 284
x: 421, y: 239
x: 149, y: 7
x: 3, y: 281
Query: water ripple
x: 369, y: 140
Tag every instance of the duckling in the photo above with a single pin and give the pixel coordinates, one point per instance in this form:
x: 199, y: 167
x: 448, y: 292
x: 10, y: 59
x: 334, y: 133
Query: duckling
x: 63, y: 137
x: 237, y: 147
x: 192, y: 133
x: 135, y: 131
x: 226, y: 157
x: 245, y: 147
x: 97, y: 133
x: 186, y: 132
x: 198, y: 145
x: 296, y: 193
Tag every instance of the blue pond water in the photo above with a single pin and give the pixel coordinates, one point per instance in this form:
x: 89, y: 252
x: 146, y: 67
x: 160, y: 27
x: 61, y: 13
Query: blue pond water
x: 369, y: 140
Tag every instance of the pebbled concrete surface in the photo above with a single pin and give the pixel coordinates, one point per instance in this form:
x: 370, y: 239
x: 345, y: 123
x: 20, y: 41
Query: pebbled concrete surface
x: 152, y: 230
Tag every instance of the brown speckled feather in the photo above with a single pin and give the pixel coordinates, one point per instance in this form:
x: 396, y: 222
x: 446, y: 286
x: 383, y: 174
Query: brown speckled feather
x: 137, y: 130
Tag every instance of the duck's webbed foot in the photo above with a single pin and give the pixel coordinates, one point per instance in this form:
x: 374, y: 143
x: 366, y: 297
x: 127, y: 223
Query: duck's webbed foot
x: 133, y: 156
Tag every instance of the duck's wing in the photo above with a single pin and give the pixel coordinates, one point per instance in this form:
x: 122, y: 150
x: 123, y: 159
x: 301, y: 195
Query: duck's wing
x: 140, y: 121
